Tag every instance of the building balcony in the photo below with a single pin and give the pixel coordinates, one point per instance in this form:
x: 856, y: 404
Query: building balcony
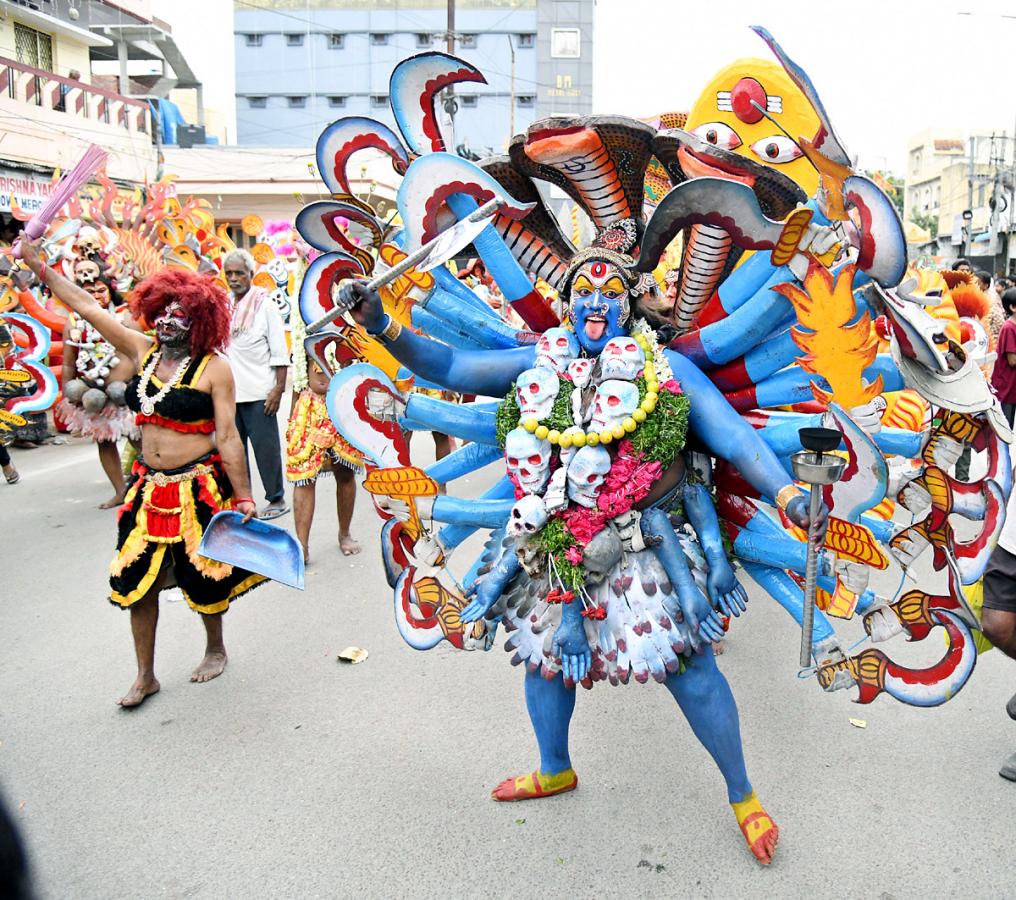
x: 49, y: 119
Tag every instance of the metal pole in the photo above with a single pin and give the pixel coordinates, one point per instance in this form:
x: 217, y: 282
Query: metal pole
x: 387, y: 277
x: 811, y: 572
x: 449, y: 93
x: 968, y: 245
x: 511, y: 108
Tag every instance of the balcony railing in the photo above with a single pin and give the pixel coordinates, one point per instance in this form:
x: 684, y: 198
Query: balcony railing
x: 37, y: 87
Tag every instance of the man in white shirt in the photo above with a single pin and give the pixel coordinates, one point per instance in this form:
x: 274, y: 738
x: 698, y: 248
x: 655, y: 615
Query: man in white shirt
x: 998, y: 614
x: 259, y: 359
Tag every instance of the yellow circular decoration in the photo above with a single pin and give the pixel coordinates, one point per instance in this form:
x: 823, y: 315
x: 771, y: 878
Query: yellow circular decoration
x: 629, y: 424
x: 252, y: 225
x: 605, y: 436
x: 592, y: 439
x: 648, y: 405
x: 262, y: 253
x: 639, y: 415
x: 579, y: 440
x: 530, y: 425
x: 618, y: 431
x: 652, y: 396
x: 541, y: 432
x: 554, y: 436
x: 565, y: 441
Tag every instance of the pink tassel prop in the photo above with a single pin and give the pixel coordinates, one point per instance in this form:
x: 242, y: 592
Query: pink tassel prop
x: 93, y: 160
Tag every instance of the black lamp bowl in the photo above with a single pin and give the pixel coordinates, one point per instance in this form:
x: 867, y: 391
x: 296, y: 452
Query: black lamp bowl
x: 820, y: 440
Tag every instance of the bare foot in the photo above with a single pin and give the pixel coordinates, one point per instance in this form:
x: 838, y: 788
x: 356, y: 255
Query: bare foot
x: 348, y: 546
x: 760, y: 831
x: 536, y: 784
x: 140, y: 691
x: 113, y: 502
x: 212, y: 666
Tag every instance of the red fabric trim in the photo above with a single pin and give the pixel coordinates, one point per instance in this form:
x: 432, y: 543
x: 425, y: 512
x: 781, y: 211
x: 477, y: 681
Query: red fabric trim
x: 203, y: 426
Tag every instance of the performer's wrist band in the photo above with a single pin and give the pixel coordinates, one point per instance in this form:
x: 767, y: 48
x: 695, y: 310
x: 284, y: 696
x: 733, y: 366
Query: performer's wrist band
x: 242, y: 500
x: 391, y: 331
x: 787, y: 493
x: 42, y: 273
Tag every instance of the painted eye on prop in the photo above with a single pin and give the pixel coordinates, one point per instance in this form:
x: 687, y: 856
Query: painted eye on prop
x: 534, y: 388
x: 591, y: 479
x: 561, y: 342
x: 512, y: 461
x: 534, y: 460
x: 718, y: 134
x: 630, y: 348
x: 614, y: 401
x: 776, y: 149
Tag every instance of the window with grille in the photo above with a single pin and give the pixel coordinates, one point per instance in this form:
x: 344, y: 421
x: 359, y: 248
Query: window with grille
x: 467, y: 41
x: 297, y: 102
x: 253, y: 40
x: 379, y: 101
x: 526, y: 100
x: 337, y: 100
x: 378, y: 39
x: 336, y: 41
x: 468, y: 100
x: 424, y: 40
x: 294, y: 40
x: 257, y: 102
x: 528, y: 39
x: 33, y: 48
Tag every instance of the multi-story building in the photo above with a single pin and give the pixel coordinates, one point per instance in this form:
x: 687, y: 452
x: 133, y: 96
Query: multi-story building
x: 961, y: 186
x: 301, y: 64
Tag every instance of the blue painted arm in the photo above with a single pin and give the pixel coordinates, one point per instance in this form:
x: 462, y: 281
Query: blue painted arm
x: 486, y: 590
x: 487, y: 372
x: 475, y: 513
x: 725, y: 593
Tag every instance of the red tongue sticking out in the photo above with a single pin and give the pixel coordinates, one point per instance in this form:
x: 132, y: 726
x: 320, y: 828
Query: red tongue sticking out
x: 595, y: 328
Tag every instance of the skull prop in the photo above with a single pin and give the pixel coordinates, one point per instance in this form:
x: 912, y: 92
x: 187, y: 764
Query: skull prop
x: 536, y: 391
x: 613, y: 402
x: 528, y: 459
x: 581, y: 371
x: 528, y: 516
x: 586, y: 473
x: 622, y: 358
x: 556, y: 348
x: 600, y: 555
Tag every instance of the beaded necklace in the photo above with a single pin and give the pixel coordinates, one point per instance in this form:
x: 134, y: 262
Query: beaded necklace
x: 148, y: 404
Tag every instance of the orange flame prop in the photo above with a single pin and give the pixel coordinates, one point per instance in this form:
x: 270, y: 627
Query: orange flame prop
x: 834, y: 349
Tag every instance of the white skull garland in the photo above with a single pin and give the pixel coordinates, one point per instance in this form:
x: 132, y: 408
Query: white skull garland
x: 527, y: 517
x: 613, y: 402
x: 621, y: 358
x: 96, y: 357
x: 556, y: 348
x: 536, y: 390
x: 586, y: 473
x: 528, y: 459
x: 580, y: 370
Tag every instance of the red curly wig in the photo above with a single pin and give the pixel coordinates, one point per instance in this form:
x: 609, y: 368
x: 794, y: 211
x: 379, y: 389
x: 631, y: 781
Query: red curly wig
x: 205, y: 303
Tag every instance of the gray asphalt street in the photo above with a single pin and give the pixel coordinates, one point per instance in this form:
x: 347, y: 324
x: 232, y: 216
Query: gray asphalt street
x: 296, y: 776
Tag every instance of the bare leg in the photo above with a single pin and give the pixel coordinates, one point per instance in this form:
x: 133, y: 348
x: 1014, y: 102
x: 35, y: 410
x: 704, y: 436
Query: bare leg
x: 345, y: 501
x: 144, y: 620
x: 304, y: 496
x: 109, y: 456
x: 442, y: 445
x: 214, y: 663
x: 1000, y: 628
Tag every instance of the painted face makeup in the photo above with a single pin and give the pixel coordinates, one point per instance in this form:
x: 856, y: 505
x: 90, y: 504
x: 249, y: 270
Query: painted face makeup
x: 600, y: 305
x: 99, y: 292
x: 172, y: 327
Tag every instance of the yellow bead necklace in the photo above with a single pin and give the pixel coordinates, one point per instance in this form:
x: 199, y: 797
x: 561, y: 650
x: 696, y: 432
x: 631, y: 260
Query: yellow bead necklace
x: 628, y: 426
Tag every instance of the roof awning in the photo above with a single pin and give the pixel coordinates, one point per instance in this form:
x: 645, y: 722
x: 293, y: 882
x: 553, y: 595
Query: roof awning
x: 53, y: 24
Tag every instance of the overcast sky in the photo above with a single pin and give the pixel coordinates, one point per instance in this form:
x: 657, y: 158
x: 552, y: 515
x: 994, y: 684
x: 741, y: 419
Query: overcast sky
x: 885, y: 70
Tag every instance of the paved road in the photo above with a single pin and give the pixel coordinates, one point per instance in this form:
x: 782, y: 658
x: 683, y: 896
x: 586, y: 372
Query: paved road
x: 296, y: 776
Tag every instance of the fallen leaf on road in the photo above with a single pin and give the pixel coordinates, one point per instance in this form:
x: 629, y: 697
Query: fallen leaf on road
x: 352, y: 655
x: 22, y: 804
x: 559, y: 861
x: 858, y: 723
x: 520, y: 821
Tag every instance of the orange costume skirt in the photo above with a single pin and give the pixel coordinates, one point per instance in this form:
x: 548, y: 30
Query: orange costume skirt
x: 312, y: 441
x: 160, y: 525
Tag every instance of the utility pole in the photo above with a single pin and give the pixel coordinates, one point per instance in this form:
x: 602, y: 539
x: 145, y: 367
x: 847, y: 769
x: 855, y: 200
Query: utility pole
x: 969, y: 243
x: 511, y: 108
x: 996, y: 202
x: 1012, y: 207
x: 451, y: 105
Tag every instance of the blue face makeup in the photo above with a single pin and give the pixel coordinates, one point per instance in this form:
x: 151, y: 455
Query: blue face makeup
x: 599, y: 307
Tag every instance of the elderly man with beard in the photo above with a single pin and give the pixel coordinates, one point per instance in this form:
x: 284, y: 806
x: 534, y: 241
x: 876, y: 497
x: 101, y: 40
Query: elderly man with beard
x: 259, y: 359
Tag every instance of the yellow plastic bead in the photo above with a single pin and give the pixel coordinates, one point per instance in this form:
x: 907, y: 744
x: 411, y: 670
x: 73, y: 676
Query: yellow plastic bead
x: 639, y: 415
x: 579, y: 440
x: 618, y: 431
x: 554, y: 436
x: 565, y: 441
x: 541, y: 432
x: 629, y: 424
x: 530, y: 425
x: 606, y: 436
x: 649, y: 405
x: 652, y: 387
x: 591, y: 439
x: 651, y: 396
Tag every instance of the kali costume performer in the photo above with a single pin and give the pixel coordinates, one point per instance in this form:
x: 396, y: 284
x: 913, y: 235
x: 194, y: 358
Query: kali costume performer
x: 192, y: 465
x: 94, y: 380
x: 606, y: 559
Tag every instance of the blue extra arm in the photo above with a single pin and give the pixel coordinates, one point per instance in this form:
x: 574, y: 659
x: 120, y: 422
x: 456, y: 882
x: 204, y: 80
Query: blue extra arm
x: 727, y: 435
x: 724, y: 591
x: 487, y: 589
x: 487, y: 372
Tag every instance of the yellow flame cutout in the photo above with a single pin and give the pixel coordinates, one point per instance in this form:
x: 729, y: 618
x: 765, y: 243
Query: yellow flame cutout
x: 834, y: 348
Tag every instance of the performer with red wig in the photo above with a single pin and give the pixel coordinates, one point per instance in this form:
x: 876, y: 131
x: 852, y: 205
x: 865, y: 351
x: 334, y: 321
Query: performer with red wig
x: 192, y: 464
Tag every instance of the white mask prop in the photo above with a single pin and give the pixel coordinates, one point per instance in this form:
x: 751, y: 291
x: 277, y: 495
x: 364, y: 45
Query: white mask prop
x: 536, y: 390
x: 621, y: 358
x: 613, y: 402
x: 586, y: 473
x: 556, y: 348
x: 580, y: 370
x: 528, y: 459
x: 528, y: 516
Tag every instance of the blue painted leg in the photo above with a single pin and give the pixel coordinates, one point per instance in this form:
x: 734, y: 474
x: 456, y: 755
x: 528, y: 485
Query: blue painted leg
x: 550, y: 706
